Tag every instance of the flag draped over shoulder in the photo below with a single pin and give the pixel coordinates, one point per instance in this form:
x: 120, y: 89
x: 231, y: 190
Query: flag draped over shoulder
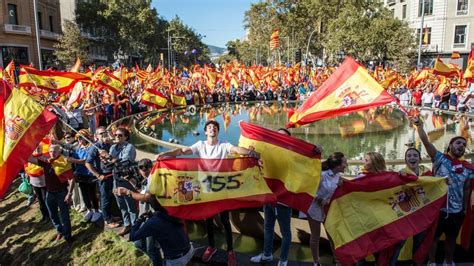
x: 24, y: 123
x: 377, y: 211
x: 195, y: 189
x: 351, y: 88
x: 291, y: 167
x: 50, y: 80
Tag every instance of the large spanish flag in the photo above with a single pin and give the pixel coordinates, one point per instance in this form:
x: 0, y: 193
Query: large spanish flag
x: 291, y: 167
x: 23, y: 124
x: 154, y: 98
x: 372, y: 213
x: 50, y: 80
x: 441, y: 68
x: 110, y: 81
x: 351, y: 88
x: 195, y: 189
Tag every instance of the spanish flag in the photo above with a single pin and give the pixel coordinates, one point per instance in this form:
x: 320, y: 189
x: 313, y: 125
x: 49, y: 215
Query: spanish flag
x: 469, y: 73
x: 23, y: 124
x: 62, y: 168
x: 275, y: 39
x: 154, y: 98
x: 351, y: 88
x: 50, y: 80
x: 111, y: 82
x: 455, y: 55
x: 441, y: 68
x: 178, y: 99
x: 377, y: 211
x: 291, y: 166
x: 196, y: 189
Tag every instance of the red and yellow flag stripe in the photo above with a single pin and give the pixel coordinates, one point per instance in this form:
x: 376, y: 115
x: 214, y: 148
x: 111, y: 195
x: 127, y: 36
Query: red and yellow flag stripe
x: 293, y: 178
x: 375, y: 212
x: 195, y: 189
x: 154, y: 98
x: 50, y: 80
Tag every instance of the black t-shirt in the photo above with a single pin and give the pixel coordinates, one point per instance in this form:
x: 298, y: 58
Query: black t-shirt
x: 53, y: 184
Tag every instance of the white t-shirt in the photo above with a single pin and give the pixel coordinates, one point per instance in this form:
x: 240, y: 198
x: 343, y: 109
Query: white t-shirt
x: 427, y: 98
x: 206, y: 151
x: 327, y: 186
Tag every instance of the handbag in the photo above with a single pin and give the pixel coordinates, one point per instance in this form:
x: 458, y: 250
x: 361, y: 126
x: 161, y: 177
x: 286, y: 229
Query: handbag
x: 25, y: 186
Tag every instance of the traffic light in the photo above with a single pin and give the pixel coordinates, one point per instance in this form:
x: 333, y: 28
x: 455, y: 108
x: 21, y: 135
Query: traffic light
x: 175, y: 57
x: 298, y: 56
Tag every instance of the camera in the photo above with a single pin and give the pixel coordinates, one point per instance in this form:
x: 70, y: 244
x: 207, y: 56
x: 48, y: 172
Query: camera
x: 126, y: 170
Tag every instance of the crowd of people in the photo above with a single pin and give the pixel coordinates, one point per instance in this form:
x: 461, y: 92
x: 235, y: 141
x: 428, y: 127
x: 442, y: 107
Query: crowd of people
x: 101, y: 161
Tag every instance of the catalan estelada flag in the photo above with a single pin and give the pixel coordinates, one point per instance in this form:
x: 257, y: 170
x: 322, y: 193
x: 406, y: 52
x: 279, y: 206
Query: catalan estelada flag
x: 291, y: 167
x: 275, y: 39
x: 351, y: 88
x: 441, y: 68
x: 23, y: 124
x: 377, y: 211
x: 195, y: 189
x: 154, y: 98
x: 49, y: 80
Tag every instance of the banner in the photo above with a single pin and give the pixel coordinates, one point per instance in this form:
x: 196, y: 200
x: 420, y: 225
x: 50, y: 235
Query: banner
x: 351, y: 88
x: 372, y: 213
x: 196, y: 189
x: 291, y: 167
x: 24, y: 123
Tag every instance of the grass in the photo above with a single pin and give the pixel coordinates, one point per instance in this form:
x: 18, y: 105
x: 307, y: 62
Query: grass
x: 27, y: 241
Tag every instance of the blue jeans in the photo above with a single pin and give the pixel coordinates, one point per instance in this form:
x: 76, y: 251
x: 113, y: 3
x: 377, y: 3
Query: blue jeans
x: 127, y: 205
x: 106, y: 196
x: 283, y: 214
x: 417, y: 241
x: 59, y: 212
x: 148, y: 245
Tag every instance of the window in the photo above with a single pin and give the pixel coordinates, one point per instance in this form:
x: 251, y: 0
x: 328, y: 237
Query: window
x: 426, y: 38
x: 40, y: 21
x: 51, y: 28
x: 462, y: 7
x: 404, y: 11
x: 428, y: 7
x: 18, y: 54
x: 460, y: 35
x: 12, y: 14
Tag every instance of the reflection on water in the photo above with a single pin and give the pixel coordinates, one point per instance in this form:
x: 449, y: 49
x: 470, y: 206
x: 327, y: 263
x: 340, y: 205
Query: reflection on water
x: 383, y: 129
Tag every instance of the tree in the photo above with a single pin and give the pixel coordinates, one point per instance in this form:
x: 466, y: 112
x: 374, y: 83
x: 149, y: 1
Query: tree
x: 71, y: 45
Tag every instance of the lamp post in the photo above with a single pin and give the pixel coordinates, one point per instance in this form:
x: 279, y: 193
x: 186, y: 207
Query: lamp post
x: 307, y: 46
x: 35, y: 10
x: 421, y: 33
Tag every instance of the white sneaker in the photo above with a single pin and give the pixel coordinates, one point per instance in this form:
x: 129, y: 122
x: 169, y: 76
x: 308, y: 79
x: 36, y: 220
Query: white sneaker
x: 431, y: 264
x: 261, y: 258
x: 282, y: 263
x: 448, y: 264
x: 88, y: 216
x: 96, y: 216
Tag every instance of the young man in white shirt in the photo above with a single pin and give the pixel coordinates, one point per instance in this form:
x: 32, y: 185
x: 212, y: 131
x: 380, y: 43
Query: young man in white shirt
x: 212, y: 148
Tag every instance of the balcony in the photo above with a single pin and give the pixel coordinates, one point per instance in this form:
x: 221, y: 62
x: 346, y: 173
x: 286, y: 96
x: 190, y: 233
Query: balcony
x: 17, y: 29
x: 46, y: 34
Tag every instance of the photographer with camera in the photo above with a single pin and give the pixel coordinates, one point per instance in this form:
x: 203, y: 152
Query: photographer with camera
x: 156, y: 226
x: 103, y: 172
x: 148, y: 244
x: 122, y: 153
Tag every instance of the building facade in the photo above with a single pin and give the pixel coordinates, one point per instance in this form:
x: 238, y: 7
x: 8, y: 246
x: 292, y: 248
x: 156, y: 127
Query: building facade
x: 448, y: 25
x: 18, y: 32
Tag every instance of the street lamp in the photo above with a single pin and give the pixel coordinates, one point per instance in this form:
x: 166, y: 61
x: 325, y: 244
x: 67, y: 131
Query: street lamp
x: 421, y: 33
x: 307, y: 46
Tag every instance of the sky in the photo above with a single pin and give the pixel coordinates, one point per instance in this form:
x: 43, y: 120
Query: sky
x: 219, y: 20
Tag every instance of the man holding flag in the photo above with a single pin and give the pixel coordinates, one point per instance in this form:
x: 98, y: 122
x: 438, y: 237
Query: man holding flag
x: 458, y: 171
x: 212, y: 148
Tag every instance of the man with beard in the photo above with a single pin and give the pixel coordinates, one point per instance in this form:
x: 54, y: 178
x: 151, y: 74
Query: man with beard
x: 458, y: 171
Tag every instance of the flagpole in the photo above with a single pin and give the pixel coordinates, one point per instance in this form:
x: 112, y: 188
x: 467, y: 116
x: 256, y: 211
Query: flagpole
x: 35, y: 10
x: 421, y: 32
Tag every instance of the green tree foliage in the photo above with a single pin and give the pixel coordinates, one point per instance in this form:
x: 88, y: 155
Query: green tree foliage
x: 71, y: 45
x: 363, y: 29
x: 133, y: 28
x: 184, y: 40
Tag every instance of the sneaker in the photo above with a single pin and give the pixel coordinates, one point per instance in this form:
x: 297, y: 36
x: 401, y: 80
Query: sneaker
x: 431, y: 264
x: 112, y: 225
x: 210, y: 251
x: 82, y: 209
x: 125, y: 230
x: 261, y: 258
x: 88, y: 216
x: 231, y: 258
x: 96, y: 216
x: 282, y: 263
x: 448, y: 264
x: 58, y: 237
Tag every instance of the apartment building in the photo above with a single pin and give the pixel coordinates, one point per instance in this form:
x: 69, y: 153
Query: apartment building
x: 448, y: 24
x: 18, y: 32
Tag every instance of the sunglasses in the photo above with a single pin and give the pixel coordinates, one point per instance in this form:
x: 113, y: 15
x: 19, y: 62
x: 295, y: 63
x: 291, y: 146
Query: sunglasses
x: 102, y: 133
x: 142, y: 167
x: 68, y: 137
x: 119, y: 135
